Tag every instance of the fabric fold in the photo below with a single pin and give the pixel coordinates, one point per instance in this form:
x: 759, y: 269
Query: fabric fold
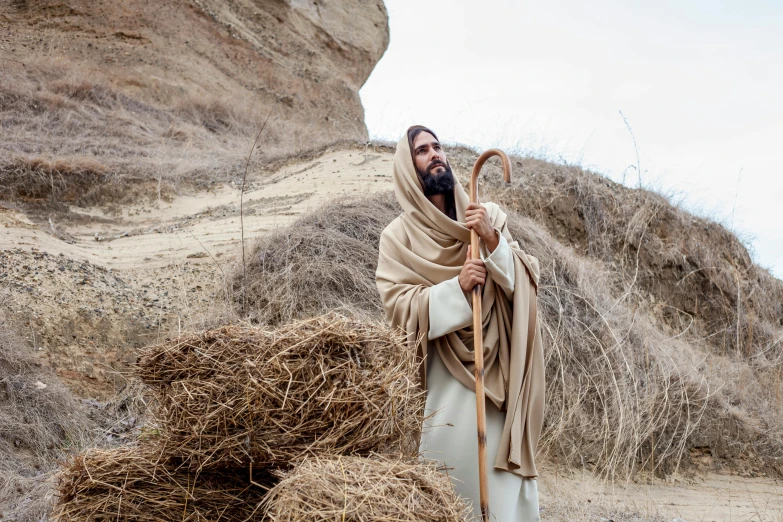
x: 500, y: 264
x: 453, y: 311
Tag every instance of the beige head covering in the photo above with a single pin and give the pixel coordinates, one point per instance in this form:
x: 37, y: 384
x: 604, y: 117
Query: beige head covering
x: 424, y: 247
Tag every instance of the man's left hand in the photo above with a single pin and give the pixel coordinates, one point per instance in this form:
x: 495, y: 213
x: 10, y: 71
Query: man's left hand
x: 476, y: 218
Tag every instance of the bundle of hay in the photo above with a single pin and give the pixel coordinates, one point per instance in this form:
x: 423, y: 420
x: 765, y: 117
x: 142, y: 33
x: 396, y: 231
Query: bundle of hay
x: 242, y: 395
x: 137, y: 483
x: 357, y: 489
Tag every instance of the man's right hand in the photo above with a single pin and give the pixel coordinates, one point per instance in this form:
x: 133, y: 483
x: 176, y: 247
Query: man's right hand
x: 473, y: 273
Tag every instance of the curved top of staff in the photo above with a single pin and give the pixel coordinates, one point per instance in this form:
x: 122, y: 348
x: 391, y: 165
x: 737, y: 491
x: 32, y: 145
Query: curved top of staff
x: 480, y: 163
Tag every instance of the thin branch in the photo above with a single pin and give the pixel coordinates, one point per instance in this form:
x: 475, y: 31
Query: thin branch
x: 736, y: 193
x: 635, y: 148
x: 242, y: 201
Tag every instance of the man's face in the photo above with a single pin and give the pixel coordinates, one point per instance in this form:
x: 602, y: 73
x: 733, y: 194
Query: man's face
x: 431, y: 164
x: 429, y: 156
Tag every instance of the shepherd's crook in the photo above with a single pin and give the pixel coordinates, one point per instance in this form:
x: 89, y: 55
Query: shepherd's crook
x: 478, y: 334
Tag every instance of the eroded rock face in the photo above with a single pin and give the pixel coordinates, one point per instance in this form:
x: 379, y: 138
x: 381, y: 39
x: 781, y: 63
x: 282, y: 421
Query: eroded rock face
x: 327, y: 46
x: 326, y: 38
x: 149, y: 87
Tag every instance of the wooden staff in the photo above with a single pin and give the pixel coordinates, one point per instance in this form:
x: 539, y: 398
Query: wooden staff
x: 478, y: 334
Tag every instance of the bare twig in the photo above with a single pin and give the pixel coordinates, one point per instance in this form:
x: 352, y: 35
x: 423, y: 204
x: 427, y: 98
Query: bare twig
x: 635, y: 148
x: 736, y: 194
x: 211, y: 257
x: 241, y: 201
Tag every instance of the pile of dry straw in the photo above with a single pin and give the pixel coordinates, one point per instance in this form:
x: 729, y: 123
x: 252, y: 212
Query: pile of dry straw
x: 136, y: 483
x: 322, y: 407
x: 355, y: 488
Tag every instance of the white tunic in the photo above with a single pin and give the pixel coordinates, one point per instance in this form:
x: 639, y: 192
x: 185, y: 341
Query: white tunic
x: 450, y: 435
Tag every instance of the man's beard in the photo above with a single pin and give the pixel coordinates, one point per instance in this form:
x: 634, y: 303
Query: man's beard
x: 435, y: 184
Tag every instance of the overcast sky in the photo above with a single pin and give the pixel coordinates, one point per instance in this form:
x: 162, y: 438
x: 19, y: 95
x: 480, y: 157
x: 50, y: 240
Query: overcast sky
x: 700, y: 83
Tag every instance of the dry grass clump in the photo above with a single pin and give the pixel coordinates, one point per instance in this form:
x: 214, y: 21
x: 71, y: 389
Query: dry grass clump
x: 356, y: 489
x: 136, y: 483
x: 241, y: 395
x: 36, y: 179
x: 325, y: 260
x: 66, y: 137
x: 80, y: 181
x: 626, y: 393
x: 700, y: 274
x: 39, y: 421
x: 621, y: 397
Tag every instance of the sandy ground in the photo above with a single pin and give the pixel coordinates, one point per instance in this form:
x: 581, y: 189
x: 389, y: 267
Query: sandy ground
x: 88, y: 272
x: 706, y: 498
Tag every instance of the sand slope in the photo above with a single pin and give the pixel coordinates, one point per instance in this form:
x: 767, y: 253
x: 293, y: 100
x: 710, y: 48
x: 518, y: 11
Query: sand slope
x: 201, y: 224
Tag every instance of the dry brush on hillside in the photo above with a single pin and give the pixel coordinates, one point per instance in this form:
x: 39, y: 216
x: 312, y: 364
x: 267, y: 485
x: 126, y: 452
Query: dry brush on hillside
x: 627, y: 389
x: 103, y: 145
x: 700, y: 275
x: 693, y: 279
x: 39, y: 420
x: 42, y: 422
x: 325, y: 261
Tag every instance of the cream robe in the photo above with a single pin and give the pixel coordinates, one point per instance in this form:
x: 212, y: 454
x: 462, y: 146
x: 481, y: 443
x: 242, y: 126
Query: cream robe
x: 450, y: 438
x: 449, y: 433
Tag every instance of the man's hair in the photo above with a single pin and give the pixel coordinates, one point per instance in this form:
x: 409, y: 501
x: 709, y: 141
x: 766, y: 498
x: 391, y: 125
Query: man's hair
x: 415, y: 131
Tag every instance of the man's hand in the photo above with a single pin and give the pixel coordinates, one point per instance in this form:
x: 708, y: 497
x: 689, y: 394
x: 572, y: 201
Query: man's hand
x: 473, y: 273
x: 476, y: 218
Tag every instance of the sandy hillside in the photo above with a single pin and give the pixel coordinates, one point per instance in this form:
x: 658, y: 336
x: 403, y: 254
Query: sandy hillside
x: 201, y: 223
x: 93, y: 284
x: 95, y: 278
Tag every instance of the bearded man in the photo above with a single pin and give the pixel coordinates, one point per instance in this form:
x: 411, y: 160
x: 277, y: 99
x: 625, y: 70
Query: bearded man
x: 425, y: 277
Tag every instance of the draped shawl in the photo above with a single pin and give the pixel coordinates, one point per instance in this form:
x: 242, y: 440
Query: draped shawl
x: 423, y: 247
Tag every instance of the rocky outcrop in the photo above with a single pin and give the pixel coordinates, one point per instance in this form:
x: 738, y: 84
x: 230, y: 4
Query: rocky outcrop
x: 328, y: 47
x: 181, y: 87
x: 320, y: 40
